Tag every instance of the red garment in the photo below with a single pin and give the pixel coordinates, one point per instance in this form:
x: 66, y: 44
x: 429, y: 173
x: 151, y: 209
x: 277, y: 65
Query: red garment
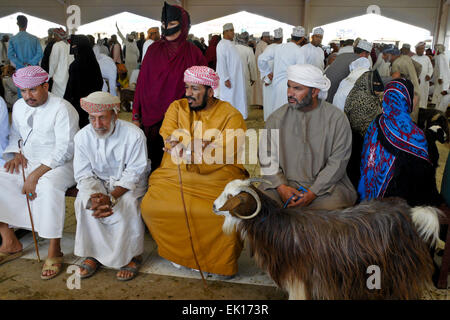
x: 160, y: 80
x: 211, y: 53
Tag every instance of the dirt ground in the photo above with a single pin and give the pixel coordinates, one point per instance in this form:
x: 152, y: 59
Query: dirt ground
x: 19, y: 279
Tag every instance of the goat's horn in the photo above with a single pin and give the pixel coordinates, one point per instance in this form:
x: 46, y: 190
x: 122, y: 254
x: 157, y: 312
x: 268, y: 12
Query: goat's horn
x: 258, y: 204
x: 231, y: 204
x: 256, y: 179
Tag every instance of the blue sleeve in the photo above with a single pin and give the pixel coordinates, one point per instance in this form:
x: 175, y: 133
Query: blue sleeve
x: 38, y: 55
x: 12, y: 55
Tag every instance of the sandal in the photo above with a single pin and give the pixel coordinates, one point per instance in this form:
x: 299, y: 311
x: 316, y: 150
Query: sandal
x: 88, y: 267
x: 49, y: 265
x: 133, y: 270
x: 5, y: 257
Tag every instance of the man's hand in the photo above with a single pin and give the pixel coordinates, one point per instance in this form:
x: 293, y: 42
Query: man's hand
x: 305, y: 200
x: 427, y: 78
x: 228, y: 84
x: 286, y: 192
x: 29, y: 187
x: 396, y: 75
x: 444, y: 93
x: 270, y: 76
x: 103, y: 211
x: 299, y: 199
x: 14, y: 164
x: 137, y: 123
x: 98, y: 200
x: 440, y: 81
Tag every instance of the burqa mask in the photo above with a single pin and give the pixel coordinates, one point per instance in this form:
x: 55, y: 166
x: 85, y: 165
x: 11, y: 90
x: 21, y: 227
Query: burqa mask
x: 170, y: 13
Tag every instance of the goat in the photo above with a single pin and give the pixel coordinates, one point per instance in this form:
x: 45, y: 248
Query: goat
x: 326, y: 254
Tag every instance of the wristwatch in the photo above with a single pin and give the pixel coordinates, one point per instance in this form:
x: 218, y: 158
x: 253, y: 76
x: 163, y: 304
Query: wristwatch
x: 113, y: 200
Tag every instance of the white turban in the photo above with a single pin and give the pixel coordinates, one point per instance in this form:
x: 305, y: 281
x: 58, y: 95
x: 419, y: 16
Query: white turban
x: 364, y: 45
x: 278, y: 33
x: 318, y: 31
x: 266, y: 34
x: 421, y: 44
x: 440, y: 48
x: 228, y: 26
x: 298, y: 32
x: 310, y: 76
x: 360, y: 63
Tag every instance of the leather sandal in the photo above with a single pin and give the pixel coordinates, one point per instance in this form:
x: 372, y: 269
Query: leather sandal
x: 50, y: 265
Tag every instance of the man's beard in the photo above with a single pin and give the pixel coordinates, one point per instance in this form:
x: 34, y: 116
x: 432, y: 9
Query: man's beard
x: 202, y: 106
x: 107, y: 133
x: 306, y: 102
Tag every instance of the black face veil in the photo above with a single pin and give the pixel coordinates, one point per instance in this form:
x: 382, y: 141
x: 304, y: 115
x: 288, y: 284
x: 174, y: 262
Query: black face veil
x: 170, y: 13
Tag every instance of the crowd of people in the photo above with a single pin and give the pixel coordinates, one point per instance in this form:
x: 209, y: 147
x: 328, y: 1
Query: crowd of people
x: 345, y: 116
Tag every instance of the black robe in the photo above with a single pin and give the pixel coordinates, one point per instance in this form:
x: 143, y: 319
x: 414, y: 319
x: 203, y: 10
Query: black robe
x: 85, y: 76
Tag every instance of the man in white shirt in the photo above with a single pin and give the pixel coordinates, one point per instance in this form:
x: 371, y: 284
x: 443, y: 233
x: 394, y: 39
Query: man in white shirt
x: 152, y: 36
x: 46, y: 124
x: 266, y: 73
x: 258, y: 86
x: 230, y: 69
x: 111, y: 169
x: 108, y: 69
x: 283, y: 56
x: 60, y: 60
x: 313, y: 51
x: 4, y: 128
x: 425, y: 75
x: 441, y: 95
x: 249, y: 61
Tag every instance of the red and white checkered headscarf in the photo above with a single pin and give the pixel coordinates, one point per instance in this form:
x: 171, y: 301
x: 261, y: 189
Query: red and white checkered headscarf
x: 100, y: 101
x: 29, y: 77
x: 202, y: 75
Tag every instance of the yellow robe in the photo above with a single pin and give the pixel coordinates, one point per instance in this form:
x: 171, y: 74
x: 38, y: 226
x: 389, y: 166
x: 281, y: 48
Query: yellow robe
x: 162, y: 207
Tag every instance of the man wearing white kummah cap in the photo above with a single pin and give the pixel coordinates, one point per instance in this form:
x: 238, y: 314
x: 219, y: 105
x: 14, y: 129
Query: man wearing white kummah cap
x: 313, y: 149
x: 425, y: 74
x: 313, y: 51
x: 441, y: 97
x: 266, y: 73
x: 45, y: 125
x: 259, y: 84
x: 231, y: 72
x: 111, y: 169
x: 283, y: 56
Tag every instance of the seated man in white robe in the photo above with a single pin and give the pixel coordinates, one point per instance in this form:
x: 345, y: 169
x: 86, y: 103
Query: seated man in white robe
x: 46, y: 125
x: 111, y: 168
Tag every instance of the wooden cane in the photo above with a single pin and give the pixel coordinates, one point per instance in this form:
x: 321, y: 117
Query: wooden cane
x: 28, y: 202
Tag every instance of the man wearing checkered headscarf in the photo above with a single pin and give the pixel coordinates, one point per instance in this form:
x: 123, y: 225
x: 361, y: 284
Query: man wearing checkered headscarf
x: 198, y: 131
x: 45, y: 125
x: 111, y: 169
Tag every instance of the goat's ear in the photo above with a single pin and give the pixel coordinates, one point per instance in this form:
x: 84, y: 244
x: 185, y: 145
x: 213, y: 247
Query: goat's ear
x: 243, y: 204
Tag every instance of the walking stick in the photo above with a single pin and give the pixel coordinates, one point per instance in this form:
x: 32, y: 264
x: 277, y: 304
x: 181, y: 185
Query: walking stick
x: 188, y: 225
x: 28, y: 201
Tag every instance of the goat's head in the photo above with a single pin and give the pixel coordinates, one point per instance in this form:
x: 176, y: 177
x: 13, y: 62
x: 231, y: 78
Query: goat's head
x: 238, y: 201
x: 438, y: 133
x: 439, y: 125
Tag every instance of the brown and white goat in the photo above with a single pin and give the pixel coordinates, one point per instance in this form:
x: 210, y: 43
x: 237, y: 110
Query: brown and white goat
x: 327, y: 254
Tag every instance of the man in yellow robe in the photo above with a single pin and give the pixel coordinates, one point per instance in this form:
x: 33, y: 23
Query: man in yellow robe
x: 197, y: 133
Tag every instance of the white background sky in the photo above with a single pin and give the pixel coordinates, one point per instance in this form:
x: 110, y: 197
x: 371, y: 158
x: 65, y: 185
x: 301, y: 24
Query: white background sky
x: 370, y: 26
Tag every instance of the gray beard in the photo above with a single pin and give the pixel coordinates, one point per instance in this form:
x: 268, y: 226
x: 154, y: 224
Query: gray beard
x: 107, y: 134
x: 306, y: 102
